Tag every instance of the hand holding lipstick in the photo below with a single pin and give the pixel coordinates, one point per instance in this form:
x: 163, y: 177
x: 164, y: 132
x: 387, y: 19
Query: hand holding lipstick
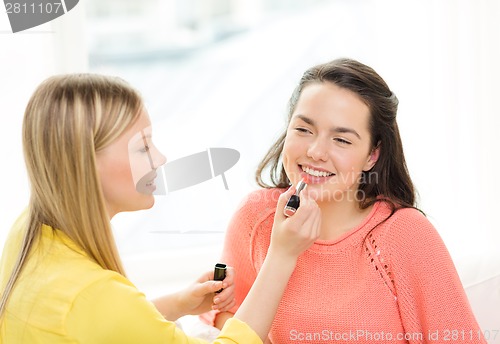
x: 294, y: 201
x: 200, y: 297
x: 293, y: 235
x: 289, y: 238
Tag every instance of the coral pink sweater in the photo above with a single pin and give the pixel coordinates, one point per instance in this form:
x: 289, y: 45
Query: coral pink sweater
x: 392, y: 283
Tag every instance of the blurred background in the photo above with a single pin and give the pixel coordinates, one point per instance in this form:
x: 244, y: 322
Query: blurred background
x: 218, y: 73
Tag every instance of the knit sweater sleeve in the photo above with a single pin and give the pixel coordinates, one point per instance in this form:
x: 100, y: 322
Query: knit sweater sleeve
x: 430, y: 295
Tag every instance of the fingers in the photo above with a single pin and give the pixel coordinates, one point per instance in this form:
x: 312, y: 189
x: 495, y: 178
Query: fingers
x: 308, y: 213
x: 208, y: 287
x: 293, y: 235
x: 282, y: 200
x: 207, y: 276
x: 224, y: 300
x: 314, y: 217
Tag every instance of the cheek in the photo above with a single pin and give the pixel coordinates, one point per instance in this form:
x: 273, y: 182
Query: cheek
x: 293, y: 147
x: 350, y: 167
x: 139, y: 166
x: 293, y: 150
x: 116, y: 179
x: 289, y: 153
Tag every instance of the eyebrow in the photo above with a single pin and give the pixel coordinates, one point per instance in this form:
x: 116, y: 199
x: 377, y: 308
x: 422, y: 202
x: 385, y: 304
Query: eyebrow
x: 144, y: 137
x: 140, y: 136
x: 333, y: 129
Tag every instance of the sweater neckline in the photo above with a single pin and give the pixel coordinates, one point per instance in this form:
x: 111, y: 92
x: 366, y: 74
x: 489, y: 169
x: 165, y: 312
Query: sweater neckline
x: 350, y: 235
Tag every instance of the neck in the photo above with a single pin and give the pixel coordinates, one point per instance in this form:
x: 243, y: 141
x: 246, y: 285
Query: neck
x: 339, y: 217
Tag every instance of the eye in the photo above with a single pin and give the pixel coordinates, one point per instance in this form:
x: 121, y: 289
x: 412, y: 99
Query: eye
x: 303, y: 130
x: 342, y: 141
x: 144, y: 149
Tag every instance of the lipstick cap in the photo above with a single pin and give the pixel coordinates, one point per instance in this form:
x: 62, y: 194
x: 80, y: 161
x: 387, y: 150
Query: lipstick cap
x: 219, y: 273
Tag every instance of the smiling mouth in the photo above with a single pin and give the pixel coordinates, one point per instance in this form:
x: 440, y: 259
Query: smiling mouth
x: 316, y: 173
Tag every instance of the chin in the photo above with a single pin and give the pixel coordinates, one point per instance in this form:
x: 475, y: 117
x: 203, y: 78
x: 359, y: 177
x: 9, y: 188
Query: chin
x: 320, y: 194
x: 151, y: 203
x: 147, y: 202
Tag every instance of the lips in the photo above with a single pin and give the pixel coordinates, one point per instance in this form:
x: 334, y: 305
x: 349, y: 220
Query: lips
x: 146, y: 184
x: 315, y: 175
x: 152, y: 181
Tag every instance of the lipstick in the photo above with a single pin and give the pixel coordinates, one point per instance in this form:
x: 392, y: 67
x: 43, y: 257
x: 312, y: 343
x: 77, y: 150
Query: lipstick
x: 294, y: 202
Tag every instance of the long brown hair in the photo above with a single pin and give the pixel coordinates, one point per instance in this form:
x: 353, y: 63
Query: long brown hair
x: 67, y: 120
x: 393, y: 182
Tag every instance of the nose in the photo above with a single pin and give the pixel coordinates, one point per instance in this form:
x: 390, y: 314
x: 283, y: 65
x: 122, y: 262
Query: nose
x: 318, y: 150
x: 158, y: 158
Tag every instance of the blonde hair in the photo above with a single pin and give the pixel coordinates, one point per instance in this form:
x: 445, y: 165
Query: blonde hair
x: 67, y: 120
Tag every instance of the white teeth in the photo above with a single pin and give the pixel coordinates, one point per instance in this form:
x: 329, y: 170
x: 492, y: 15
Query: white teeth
x: 316, y: 173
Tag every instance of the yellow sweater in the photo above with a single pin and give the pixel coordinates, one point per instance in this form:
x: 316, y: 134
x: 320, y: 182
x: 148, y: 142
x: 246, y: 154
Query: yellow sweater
x: 62, y: 296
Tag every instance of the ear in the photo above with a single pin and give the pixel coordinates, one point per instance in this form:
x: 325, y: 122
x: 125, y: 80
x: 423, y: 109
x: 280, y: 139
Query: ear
x: 372, y: 159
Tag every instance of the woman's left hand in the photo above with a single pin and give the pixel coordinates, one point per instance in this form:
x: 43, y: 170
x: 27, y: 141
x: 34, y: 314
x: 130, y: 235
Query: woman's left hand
x: 201, y: 297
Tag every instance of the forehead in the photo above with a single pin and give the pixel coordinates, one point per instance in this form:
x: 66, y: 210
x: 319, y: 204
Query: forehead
x: 331, y: 95
x: 141, y: 128
x: 142, y: 122
x: 331, y: 102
